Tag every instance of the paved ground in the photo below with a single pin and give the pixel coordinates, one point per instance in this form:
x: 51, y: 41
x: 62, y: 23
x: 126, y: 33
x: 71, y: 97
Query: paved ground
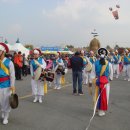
x: 61, y: 110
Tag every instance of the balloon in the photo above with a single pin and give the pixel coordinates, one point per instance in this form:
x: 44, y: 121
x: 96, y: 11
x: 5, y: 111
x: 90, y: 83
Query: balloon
x: 115, y: 14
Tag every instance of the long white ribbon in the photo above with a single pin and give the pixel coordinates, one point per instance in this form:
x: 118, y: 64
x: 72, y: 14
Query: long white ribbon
x: 94, y: 109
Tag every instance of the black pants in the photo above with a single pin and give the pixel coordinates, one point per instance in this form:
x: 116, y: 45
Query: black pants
x: 17, y: 72
x: 24, y: 70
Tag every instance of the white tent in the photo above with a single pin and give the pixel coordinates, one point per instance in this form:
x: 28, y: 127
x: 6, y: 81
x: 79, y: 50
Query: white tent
x: 10, y: 47
x: 19, y: 47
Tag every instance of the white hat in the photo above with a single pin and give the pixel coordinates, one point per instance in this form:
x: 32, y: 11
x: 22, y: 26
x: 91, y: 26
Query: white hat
x: 36, y: 52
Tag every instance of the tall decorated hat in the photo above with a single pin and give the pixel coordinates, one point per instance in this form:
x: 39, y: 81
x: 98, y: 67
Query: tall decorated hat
x: 4, y: 47
x: 102, y: 52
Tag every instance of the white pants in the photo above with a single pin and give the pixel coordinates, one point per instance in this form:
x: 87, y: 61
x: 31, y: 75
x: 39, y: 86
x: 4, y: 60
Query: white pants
x: 116, y: 69
x: 57, y: 80
x: 37, y: 88
x: 4, y: 99
x: 126, y: 71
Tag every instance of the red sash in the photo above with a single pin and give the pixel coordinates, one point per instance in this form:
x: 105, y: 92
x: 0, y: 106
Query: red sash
x: 4, y: 79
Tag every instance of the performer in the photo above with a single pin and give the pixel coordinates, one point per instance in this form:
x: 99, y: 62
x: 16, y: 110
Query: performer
x: 92, y: 59
x: 85, y: 62
x: 7, y: 81
x: 126, y: 68
x: 116, y: 62
x: 104, y: 74
x: 58, y: 73
x: 37, y: 85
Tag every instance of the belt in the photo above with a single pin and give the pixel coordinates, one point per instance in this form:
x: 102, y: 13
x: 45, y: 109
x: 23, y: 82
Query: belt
x: 2, y: 79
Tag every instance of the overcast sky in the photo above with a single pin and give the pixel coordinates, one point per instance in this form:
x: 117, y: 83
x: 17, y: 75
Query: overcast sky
x: 60, y: 22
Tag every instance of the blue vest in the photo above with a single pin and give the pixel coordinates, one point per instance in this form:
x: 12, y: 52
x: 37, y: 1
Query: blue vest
x: 126, y: 61
x: 34, y: 64
x: 116, y: 59
x: 5, y: 84
x: 92, y: 60
x: 59, y: 60
x: 98, y: 68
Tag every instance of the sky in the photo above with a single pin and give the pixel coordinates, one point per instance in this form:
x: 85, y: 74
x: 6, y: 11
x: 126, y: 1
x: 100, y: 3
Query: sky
x: 63, y: 22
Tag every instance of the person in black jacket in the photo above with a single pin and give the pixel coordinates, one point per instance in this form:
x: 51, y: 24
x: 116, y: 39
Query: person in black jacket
x: 77, y: 65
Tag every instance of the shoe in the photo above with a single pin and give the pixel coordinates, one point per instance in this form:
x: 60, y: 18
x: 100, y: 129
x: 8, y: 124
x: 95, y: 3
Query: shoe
x: 35, y: 100
x: 74, y: 93
x: 55, y: 87
x: 116, y: 77
x: 101, y: 113
x: 5, y: 122
x: 59, y: 88
x: 80, y: 94
x: 6, y: 116
x: 40, y: 100
x: 129, y: 79
x: 125, y: 79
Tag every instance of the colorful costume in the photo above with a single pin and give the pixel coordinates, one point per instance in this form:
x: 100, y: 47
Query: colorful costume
x: 7, y: 80
x: 103, y: 74
x: 37, y: 85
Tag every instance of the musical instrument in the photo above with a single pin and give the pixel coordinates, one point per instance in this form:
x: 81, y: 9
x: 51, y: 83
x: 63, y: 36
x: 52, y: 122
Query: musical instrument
x: 13, y: 101
x: 60, y: 69
x: 88, y: 67
x: 47, y: 75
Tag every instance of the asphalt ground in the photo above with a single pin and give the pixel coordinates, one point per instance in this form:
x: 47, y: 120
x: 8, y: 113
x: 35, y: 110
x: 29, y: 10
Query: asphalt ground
x: 61, y: 110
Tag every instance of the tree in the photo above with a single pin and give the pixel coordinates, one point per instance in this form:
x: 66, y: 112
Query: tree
x: 29, y: 46
x: 70, y: 46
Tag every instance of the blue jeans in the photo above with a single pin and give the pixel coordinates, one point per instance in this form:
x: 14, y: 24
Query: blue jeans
x: 77, y: 76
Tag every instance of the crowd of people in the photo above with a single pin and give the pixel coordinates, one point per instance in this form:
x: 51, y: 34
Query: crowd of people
x: 87, y: 69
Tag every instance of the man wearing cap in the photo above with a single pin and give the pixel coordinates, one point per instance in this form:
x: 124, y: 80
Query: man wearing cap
x: 7, y: 81
x: 126, y: 68
x: 56, y: 63
x: 37, y: 85
x: 116, y: 62
x: 103, y: 73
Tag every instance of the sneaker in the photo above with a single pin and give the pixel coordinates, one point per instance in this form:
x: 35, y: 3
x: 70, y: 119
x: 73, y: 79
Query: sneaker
x: 101, y: 113
x: 59, y: 88
x: 129, y: 79
x: 125, y: 79
x: 35, y: 100
x: 5, y: 122
x: 80, y: 94
x: 40, y: 100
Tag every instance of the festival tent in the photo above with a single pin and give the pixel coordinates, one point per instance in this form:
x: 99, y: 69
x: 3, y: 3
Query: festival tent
x: 19, y: 47
x: 10, y: 47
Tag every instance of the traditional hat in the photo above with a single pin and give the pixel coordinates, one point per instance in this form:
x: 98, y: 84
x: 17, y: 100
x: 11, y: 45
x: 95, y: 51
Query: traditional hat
x: 91, y: 52
x: 37, y: 51
x: 102, y: 52
x: 126, y: 50
x: 116, y: 51
x: 82, y: 51
x: 4, y: 47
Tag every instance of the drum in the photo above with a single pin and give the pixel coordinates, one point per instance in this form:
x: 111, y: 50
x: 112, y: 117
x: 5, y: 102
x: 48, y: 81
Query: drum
x: 88, y: 67
x: 60, y: 70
